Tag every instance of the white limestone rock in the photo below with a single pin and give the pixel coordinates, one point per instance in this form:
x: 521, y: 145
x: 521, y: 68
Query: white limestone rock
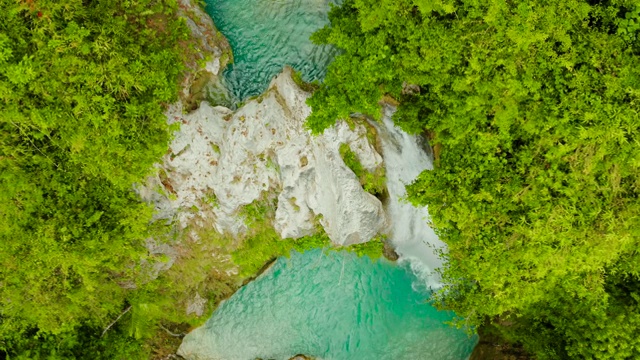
x: 264, y: 147
x: 213, y: 66
x: 196, y: 305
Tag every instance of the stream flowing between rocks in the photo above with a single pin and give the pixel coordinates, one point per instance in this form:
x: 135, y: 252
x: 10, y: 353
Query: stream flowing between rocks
x: 330, y: 305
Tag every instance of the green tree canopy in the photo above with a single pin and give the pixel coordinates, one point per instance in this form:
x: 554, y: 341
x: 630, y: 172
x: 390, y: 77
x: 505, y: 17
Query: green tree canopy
x: 532, y: 109
x: 83, y: 86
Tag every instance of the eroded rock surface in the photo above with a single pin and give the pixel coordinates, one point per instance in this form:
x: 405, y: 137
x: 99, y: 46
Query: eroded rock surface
x: 221, y: 161
x: 208, y: 42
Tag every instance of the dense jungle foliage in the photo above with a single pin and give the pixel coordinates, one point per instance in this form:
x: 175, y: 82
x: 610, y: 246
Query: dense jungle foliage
x: 83, y: 86
x: 532, y: 110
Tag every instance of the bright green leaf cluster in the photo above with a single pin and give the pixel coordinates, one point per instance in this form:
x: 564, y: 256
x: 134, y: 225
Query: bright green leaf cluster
x: 83, y: 88
x: 373, y: 182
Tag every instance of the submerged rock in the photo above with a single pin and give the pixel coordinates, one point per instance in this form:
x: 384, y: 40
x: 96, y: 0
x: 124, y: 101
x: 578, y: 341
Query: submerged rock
x: 301, y: 357
x: 221, y: 161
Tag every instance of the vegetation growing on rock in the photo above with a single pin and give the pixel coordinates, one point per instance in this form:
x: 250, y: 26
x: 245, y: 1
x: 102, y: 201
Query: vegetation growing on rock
x: 373, y: 248
x: 306, y: 86
x: 262, y: 244
x: 373, y: 182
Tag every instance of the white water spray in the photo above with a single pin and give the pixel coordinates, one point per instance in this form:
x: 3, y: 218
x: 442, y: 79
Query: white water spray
x: 414, y: 240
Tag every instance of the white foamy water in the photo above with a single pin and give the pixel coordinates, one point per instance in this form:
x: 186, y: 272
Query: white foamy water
x: 414, y: 240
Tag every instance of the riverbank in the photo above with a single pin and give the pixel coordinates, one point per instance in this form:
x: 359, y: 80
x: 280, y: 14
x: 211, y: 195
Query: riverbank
x: 492, y: 346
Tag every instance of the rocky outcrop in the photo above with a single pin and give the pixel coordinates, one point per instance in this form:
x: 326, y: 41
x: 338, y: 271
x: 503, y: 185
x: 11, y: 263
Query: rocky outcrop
x: 493, y: 347
x: 221, y: 161
x: 207, y: 53
x: 389, y: 251
x: 196, y: 305
x: 208, y: 44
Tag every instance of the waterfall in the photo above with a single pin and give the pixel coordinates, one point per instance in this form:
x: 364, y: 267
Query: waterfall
x: 414, y: 240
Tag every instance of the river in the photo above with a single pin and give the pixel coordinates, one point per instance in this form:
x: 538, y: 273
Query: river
x: 331, y: 305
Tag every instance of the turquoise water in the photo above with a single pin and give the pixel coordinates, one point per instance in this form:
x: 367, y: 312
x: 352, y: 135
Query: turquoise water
x: 265, y: 35
x: 335, y: 307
